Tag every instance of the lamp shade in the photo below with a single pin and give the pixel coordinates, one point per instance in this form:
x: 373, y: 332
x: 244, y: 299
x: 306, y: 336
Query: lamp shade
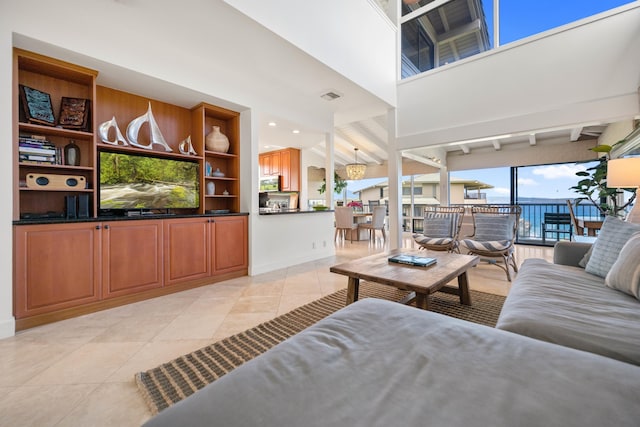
x: 623, y: 173
x: 356, y: 170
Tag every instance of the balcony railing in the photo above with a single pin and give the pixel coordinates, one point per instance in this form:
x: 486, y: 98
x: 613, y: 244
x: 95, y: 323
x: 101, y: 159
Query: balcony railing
x: 530, y: 227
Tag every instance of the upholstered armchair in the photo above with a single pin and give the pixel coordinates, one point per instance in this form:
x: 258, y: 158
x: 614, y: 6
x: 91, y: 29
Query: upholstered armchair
x: 441, y: 228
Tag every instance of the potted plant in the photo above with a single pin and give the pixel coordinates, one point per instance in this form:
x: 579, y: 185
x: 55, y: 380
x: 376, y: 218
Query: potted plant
x: 593, y: 185
x: 339, y: 184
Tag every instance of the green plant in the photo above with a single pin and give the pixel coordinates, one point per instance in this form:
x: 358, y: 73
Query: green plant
x: 339, y: 184
x: 593, y: 185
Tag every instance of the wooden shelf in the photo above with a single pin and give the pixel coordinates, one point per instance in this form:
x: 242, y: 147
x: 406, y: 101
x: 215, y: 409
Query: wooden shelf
x: 47, y: 166
x: 155, y: 153
x: 53, y: 131
x: 65, y: 190
x: 220, y: 155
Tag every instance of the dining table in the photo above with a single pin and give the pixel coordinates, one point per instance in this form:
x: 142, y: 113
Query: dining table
x: 361, y: 218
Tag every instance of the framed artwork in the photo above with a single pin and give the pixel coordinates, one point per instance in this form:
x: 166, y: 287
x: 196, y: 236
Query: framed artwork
x: 37, y: 106
x: 74, y: 113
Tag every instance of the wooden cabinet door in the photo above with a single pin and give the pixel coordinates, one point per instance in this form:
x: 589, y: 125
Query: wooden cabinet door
x: 187, y: 249
x: 275, y: 163
x: 229, y: 243
x: 290, y: 169
x: 264, y: 160
x: 132, y: 257
x: 270, y: 164
x: 57, y: 266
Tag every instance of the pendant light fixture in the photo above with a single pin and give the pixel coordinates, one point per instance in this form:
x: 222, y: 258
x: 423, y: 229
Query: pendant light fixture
x: 356, y: 170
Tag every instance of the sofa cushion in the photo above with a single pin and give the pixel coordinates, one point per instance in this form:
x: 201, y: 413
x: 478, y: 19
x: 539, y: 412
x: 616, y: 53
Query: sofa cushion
x: 611, y: 238
x: 568, y: 306
x: 625, y: 272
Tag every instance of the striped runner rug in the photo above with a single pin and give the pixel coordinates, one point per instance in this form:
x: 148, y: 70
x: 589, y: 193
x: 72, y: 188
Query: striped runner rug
x: 171, y: 382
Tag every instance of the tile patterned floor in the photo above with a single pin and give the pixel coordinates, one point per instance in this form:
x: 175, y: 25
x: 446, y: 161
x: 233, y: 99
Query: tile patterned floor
x: 79, y: 372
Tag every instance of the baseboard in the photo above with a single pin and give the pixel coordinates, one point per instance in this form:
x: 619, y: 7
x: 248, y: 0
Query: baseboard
x: 7, y: 327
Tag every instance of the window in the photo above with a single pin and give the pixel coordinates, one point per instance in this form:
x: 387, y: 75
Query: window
x: 441, y: 35
x: 435, y: 34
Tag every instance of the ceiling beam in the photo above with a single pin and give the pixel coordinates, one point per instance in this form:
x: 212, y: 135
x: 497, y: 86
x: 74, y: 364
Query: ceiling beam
x: 371, y: 136
x: 462, y: 31
x: 575, y: 134
x: 363, y: 151
x: 423, y: 160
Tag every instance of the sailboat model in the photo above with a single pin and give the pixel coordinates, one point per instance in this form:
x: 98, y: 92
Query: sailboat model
x: 156, y: 135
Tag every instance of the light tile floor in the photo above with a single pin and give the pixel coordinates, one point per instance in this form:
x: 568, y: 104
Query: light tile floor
x: 79, y: 372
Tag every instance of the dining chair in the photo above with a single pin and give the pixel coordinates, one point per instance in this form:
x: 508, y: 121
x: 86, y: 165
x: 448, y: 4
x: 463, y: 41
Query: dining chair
x: 576, y: 225
x: 441, y: 228
x: 344, y: 222
x: 373, y: 204
x: 377, y: 222
x: 494, y: 234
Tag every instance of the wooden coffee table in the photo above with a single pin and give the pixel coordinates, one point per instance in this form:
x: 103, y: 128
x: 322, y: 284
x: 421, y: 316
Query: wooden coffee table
x: 421, y: 281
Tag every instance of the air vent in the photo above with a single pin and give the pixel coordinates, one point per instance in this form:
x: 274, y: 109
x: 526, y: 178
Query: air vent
x: 330, y: 96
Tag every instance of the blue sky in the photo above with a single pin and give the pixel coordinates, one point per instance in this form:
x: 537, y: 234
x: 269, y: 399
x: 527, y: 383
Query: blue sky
x: 523, y: 18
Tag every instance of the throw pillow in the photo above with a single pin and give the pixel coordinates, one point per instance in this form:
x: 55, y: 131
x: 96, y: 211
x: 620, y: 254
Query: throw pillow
x: 611, y: 238
x: 585, y: 259
x: 490, y: 227
x: 625, y: 272
x: 437, y: 225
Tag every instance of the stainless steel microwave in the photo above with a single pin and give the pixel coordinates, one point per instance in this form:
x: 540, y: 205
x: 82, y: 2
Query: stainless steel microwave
x: 270, y: 183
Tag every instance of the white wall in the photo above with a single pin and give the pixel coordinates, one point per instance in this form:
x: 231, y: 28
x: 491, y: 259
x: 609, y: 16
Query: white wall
x: 280, y: 241
x: 580, y: 73
x: 352, y: 37
x: 7, y: 324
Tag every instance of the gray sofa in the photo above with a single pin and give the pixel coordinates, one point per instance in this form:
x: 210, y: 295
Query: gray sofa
x: 561, y: 303
x: 380, y: 363
x: 567, y: 355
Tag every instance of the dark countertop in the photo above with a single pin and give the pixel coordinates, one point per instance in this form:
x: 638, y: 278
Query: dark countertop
x: 34, y: 221
x: 269, y: 211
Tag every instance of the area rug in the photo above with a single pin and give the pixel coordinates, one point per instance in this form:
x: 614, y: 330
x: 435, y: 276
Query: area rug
x: 171, y: 382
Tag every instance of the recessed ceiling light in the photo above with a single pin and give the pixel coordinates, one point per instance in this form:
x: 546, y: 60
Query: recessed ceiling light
x: 296, y: 131
x: 272, y: 124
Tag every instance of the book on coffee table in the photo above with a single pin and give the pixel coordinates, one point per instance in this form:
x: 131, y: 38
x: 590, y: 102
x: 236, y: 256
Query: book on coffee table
x: 419, y: 261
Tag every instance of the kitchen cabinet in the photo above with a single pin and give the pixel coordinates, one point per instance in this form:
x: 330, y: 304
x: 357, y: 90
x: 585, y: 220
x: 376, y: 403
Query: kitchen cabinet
x: 131, y: 256
x: 270, y: 163
x: 56, y: 267
x: 290, y: 167
x: 285, y: 163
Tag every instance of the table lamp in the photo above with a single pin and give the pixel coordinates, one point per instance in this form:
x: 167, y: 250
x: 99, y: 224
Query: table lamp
x: 625, y: 173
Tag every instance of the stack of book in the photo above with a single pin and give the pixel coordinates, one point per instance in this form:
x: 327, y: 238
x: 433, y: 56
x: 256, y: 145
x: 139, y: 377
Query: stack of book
x: 38, y: 150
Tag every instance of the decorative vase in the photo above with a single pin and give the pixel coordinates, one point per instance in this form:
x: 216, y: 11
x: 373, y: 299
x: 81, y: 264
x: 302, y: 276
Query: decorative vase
x: 72, y: 154
x: 217, y: 141
x: 211, y: 188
